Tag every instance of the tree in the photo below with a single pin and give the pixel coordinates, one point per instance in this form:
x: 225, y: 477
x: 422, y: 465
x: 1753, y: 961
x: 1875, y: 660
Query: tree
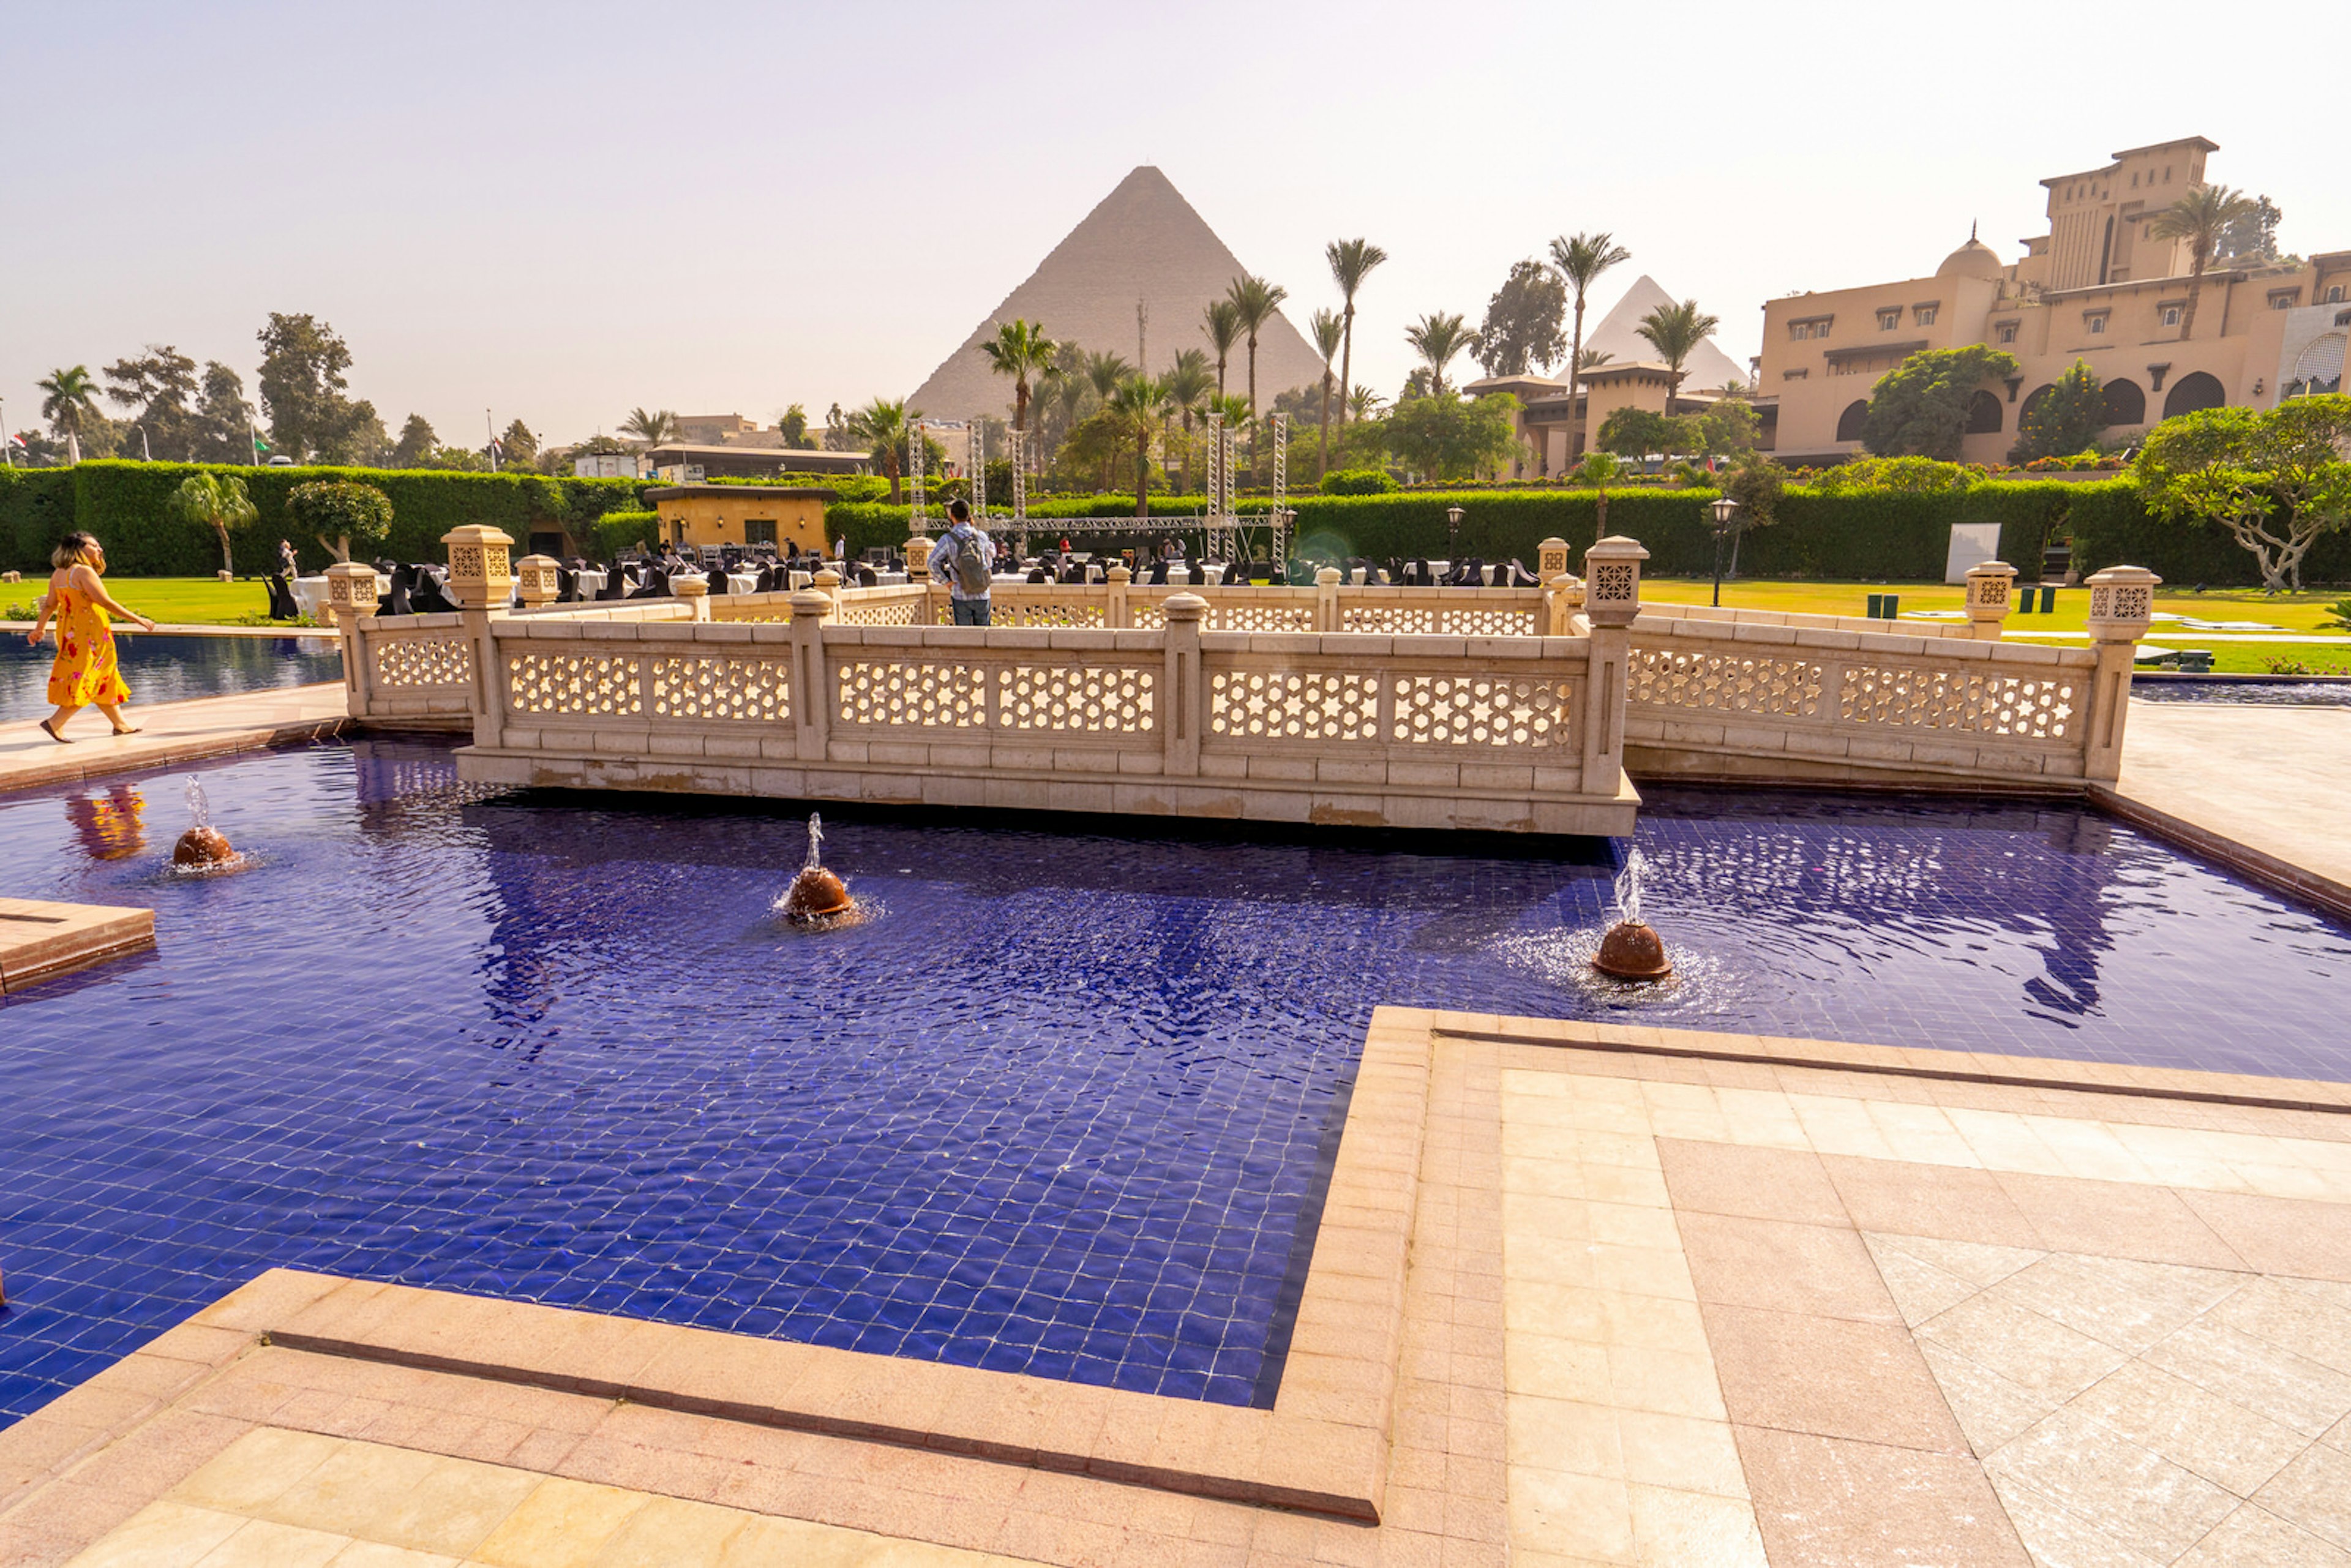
x: 792, y: 425
x: 1189, y: 384
x: 518, y: 447
x: 222, y: 430
x: 302, y: 384
x: 1254, y: 302
x: 1351, y: 261
x: 1581, y: 260
x: 2062, y: 419
x: 653, y: 426
x: 1630, y: 432
x: 159, y: 387
x: 2276, y: 481
x: 884, y: 426
x: 1364, y: 404
x: 1522, y: 321
x: 1104, y: 371
x: 417, y: 440
x: 1221, y: 323
x: 1329, y: 331
x: 1919, y: 408
x: 70, y: 403
x: 1728, y: 428
x: 1024, y: 353
x: 1450, y: 438
x: 2253, y: 237
x: 339, y: 513
x: 2202, y: 217
x: 216, y: 502
x: 1135, y: 405
x: 1675, y: 331
x: 1438, y: 337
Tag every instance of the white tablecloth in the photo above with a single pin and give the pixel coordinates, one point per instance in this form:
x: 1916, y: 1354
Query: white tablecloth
x: 310, y: 592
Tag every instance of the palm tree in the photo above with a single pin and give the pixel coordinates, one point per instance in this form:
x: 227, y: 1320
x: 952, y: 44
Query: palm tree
x: 1103, y: 373
x: 1134, y: 404
x: 884, y: 426
x: 1189, y: 384
x: 1351, y: 261
x: 2199, y: 217
x: 1222, y: 326
x: 1364, y: 404
x: 1439, y: 339
x: 1674, y: 330
x: 1021, y: 352
x: 69, y: 401
x: 216, y: 503
x: 1592, y: 359
x: 653, y: 427
x: 1581, y: 260
x: 1254, y: 300
x: 1329, y: 330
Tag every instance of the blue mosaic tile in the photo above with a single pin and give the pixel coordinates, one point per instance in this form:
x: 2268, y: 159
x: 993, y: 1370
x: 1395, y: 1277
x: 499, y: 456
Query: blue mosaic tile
x: 1064, y: 1108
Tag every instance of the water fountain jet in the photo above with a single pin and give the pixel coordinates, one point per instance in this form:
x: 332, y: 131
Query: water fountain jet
x: 816, y: 897
x: 1632, y: 950
x: 202, y: 847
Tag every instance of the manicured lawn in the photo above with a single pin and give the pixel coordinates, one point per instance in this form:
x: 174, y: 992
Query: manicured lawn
x: 2255, y: 658
x: 182, y: 600
x: 2286, y: 611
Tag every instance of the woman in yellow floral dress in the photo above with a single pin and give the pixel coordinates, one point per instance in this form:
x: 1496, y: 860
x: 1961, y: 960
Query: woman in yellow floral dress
x: 86, y: 673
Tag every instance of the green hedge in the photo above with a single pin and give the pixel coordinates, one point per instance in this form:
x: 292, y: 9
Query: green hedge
x: 2111, y: 528
x: 123, y: 504
x: 616, y: 531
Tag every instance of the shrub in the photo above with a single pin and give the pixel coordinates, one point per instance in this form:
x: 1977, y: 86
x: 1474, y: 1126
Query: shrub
x: 340, y: 512
x: 616, y: 531
x: 1359, y: 482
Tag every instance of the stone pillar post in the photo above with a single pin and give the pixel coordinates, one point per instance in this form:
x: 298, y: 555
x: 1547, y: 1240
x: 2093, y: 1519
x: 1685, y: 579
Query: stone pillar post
x: 2121, y: 607
x: 1187, y: 712
x: 1612, y: 598
x: 1326, y: 598
x: 826, y: 580
x: 1562, y: 598
x: 1115, y: 616
x: 811, y: 684
x: 693, y: 593
x: 536, y: 581
x: 1552, y: 559
x: 1990, y: 599
x: 481, y: 583
x: 918, y: 558
x: 351, y: 608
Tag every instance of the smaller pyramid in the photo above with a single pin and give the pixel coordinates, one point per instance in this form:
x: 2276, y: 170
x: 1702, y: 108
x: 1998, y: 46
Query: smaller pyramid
x: 1707, y: 369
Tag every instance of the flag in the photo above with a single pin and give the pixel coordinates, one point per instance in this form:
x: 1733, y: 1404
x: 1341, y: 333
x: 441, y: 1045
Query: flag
x: 259, y: 445
x: 19, y: 442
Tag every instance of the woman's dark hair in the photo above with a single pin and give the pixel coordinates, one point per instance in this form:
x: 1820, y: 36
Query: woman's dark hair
x: 72, y: 548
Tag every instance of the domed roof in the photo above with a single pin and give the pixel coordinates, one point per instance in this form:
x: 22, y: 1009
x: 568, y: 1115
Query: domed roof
x: 1973, y: 259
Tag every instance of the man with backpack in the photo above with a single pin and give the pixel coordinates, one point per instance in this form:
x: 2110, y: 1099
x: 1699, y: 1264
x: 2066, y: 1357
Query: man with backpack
x: 965, y: 560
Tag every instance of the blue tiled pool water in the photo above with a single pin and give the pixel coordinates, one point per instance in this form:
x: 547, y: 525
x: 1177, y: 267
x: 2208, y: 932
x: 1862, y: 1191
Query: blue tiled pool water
x: 163, y: 669
x: 1063, y: 1108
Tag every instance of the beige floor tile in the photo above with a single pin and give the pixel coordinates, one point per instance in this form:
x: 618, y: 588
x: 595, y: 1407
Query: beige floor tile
x: 1575, y: 1516
x: 1922, y: 1133
x: 423, y: 1501
x: 1828, y: 1501
x: 376, y: 1554
x: 2117, y: 1301
x: 2252, y: 1536
x: 1692, y: 1530
x: 1833, y: 1376
x: 1671, y: 1383
x: 669, y: 1532
x: 256, y: 1468
x: 166, y: 1534
x: 1841, y: 1127
x: 1632, y: 1225
x: 1633, y: 1270
x: 1978, y: 1263
x: 2004, y: 1141
x: 1990, y: 1409
x: 2335, y: 1293
x: 1603, y: 1317
x: 1920, y: 1291
x: 2226, y: 1444
x: 1546, y: 1366
x: 1680, y: 1453
x: 265, y: 1544
x: 1770, y: 1263
x: 2036, y: 1354
x: 2314, y: 1492
x: 795, y: 1543
x: 2128, y: 1493
x: 561, y: 1524
x: 1565, y: 1435
x: 2274, y: 1311
x: 1751, y: 1183
x: 2266, y: 1379
x: 2090, y: 1150
x: 2059, y: 1538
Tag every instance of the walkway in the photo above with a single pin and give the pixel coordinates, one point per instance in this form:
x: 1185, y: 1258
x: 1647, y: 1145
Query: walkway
x: 171, y: 732
x: 2263, y: 788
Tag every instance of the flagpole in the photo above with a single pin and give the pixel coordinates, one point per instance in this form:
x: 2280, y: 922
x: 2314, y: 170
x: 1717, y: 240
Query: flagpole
x: 253, y: 444
x: 490, y: 439
x: 7, y: 441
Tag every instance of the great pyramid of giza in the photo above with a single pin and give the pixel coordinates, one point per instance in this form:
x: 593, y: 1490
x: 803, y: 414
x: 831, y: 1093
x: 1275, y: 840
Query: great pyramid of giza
x: 1710, y: 368
x: 1143, y: 242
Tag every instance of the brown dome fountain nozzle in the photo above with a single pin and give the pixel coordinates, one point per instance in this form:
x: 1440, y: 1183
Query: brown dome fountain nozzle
x: 816, y: 896
x: 1633, y: 951
x: 202, y: 847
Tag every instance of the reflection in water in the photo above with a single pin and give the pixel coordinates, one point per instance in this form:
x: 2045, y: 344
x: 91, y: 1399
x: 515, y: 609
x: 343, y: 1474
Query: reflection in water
x: 110, y: 826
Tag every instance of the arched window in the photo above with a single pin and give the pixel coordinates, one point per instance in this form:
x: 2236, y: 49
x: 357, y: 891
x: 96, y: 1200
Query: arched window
x: 2193, y: 391
x: 2033, y: 399
x: 1849, y: 422
x: 1984, y: 414
x: 2126, y: 403
x: 2320, y: 367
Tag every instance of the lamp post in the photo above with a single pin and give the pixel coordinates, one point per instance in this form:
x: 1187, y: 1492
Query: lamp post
x: 1724, y: 507
x: 1453, y: 534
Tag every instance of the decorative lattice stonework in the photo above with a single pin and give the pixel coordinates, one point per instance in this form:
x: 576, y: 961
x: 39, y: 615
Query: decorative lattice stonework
x: 1146, y: 615
x: 1230, y: 617
x: 1722, y: 683
x: 2006, y: 706
x: 889, y: 612
x: 466, y: 562
x: 601, y: 685
x: 757, y: 691
x: 1444, y: 619
x: 419, y: 662
x: 1480, y: 710
x: 1612, y: 582
x: 922, y: 695
x: 1294, y: 705
x: 1048, y: 612
x: 1991, y: 589
x: 1075, y: 699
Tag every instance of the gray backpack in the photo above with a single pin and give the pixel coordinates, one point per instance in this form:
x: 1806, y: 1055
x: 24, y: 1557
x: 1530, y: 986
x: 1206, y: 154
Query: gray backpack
x: 970, y: 565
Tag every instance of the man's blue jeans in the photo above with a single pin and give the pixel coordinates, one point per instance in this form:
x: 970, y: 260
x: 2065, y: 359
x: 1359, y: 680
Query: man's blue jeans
x: 971, y: 611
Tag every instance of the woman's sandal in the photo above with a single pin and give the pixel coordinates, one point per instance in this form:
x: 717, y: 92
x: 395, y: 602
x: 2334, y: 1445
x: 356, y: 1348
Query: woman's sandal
x: 131, y: 729
x: 53, y: 735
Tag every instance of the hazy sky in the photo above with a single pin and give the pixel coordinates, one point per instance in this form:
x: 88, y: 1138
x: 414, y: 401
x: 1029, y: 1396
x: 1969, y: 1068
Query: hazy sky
x: 559, y: 212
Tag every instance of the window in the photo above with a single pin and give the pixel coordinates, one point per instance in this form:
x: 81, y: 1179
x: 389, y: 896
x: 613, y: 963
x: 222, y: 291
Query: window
x: 2284, y: 299
x: 1811, y: 327
x: 1889, y: 318
x: 1924, y: 315
x: 2333, y: 293
x: 2005, y: 331
x: 2125, y: 402
x: 1794, y: 375
x: 1850, y: 422
x: 2095, y: 320
x: 2170, y: 315
x: 760, y: 530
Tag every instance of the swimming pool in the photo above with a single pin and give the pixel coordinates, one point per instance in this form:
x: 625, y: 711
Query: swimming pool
x: 163, y: 669
x: 1063, y: 1108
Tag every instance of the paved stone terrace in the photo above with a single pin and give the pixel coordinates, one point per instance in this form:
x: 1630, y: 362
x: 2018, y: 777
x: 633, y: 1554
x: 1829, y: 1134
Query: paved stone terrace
x: 171, y: 732
x: 1669, y: 1298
